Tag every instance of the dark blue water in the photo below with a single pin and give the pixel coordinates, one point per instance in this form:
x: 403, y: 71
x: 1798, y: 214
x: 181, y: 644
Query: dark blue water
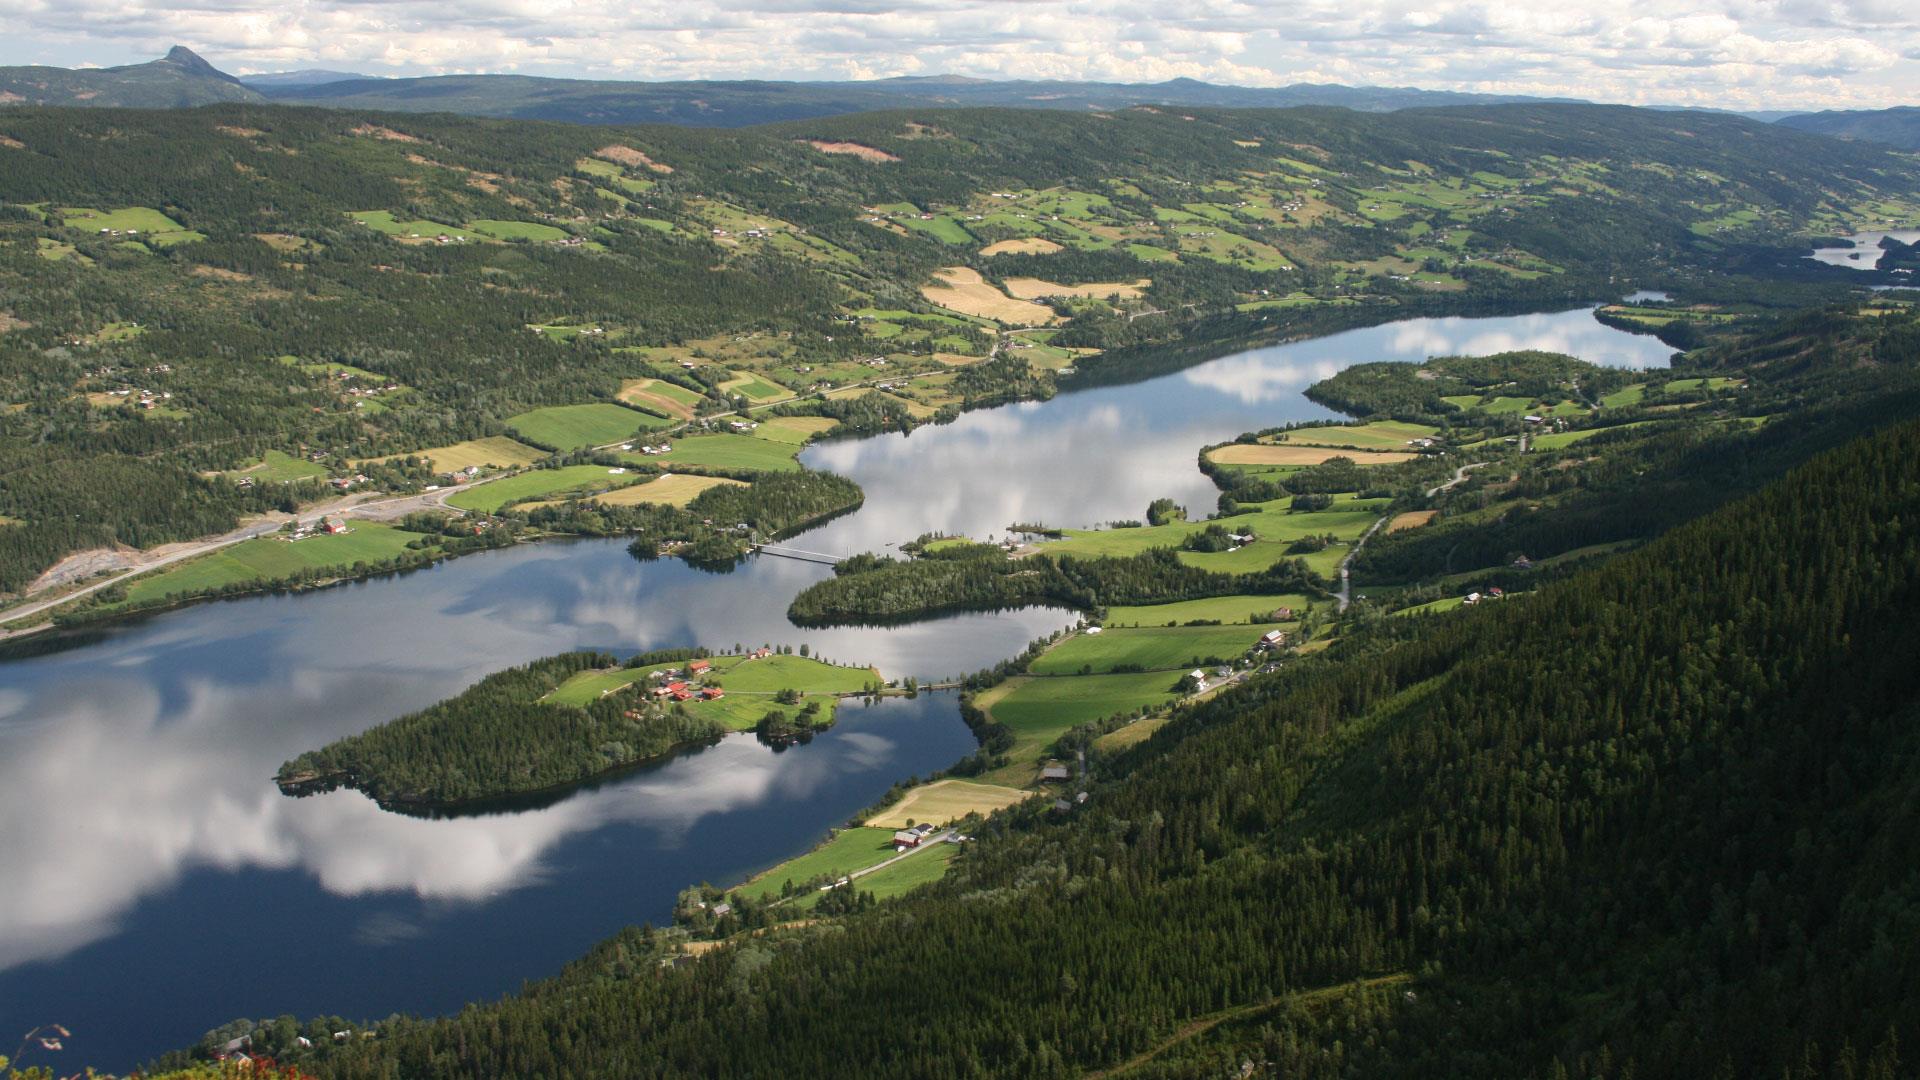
x: 161, y: 885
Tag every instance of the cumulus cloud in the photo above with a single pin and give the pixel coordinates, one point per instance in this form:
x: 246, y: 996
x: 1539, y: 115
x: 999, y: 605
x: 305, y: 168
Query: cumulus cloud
x: 1734, y: 53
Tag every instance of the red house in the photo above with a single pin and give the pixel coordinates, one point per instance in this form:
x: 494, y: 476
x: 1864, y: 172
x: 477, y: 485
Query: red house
x: 698, y: 667
x: 713, y: 693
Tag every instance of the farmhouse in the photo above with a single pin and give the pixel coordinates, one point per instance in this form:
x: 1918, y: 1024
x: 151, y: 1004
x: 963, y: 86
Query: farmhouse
x: 913, y: 837
x: 1054, y: 772
x: 699, y: 667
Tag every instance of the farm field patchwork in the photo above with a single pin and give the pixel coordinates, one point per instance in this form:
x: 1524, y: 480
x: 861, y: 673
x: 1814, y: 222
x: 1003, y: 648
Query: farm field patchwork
x: 659, y: 396
x: 1040, y: 709
x: 754, y: 388
x: 962, y: 289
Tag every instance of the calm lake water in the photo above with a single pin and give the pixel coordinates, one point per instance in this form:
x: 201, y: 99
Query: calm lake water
x: 1864, y: 253
x: 161, y: 885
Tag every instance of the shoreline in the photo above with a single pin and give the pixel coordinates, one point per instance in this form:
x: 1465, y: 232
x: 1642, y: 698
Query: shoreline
x: 1238, y: 332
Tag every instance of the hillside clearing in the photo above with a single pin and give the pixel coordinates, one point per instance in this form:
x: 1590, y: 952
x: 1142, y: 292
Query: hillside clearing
x: 962, y: 289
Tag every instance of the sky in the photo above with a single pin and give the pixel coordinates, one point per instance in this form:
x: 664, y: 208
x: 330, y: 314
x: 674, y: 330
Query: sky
x: 1744, y: 54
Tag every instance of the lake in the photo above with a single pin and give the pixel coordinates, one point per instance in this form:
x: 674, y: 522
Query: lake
x: 163, y: 885
x: 1864, y: 253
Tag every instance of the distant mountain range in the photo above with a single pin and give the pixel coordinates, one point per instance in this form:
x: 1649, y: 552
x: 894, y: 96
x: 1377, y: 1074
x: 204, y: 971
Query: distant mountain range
x: 1898, y: 126
x: 180, y: 79
x: 743, y: 102
x: 183, y: 79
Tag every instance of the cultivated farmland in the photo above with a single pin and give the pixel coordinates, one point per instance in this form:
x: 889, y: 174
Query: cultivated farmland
x: 962, y: 289
x: 570, y: 427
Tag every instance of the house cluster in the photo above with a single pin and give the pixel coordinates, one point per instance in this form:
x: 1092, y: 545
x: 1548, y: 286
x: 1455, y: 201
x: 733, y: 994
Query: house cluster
x: 457, y: 476
x: 1493, y: 593
x: 147, y: 399
x: 361, y: 391
x: 570, y: 241
x: 345, y: 483
x: 652, y: 450
x: 323, y: 527
x: 743, y: 426
x: 683, y: 684
x: 908, y: 839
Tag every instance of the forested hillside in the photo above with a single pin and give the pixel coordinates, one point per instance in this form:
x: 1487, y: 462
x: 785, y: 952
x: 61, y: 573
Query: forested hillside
x: 188, y: 294
x: 1654, y: 820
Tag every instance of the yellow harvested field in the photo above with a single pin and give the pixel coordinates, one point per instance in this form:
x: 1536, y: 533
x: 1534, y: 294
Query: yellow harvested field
x: 1032, y: 245
x: 1263, y: 454
x: 954, y: 359
x: 497, y: 450
x: 852, y: 149
x: 1028, y: 288
x: 638, y: 392
x: 962, y: 289
x: 671, y: 489
x: 1412, y: 519
x: 946, y: 800
x: 627, y: 155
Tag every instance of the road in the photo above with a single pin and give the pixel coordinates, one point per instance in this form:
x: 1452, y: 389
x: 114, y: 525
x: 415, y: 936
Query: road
x: 348, y: 506
x: 925, y: 845
x: 1343, y: 597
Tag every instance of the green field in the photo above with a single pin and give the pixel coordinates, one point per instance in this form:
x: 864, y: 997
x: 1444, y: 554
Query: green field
x: 750, y: 685
x: 1226, y: 609
x: 1272, y: 523
x: 905, y: 875
x: 1378, y: 435
x: 570, y: 427
x: 754, y: 388
x: 1624, y: 397
x: 736, y: 452
x: 1556, y: 440
x: 1039, y: 710
x: 1152, y: 648
x: 269, y: 559
x: 382, y: 221
x: 278, y: 467
x: 800, y: 673
x: 793, y: 430
x: 849, y: 850
x: 945, y: 229
x: 490, y: 497
x: 141, y: 218
x: 1716, y: 383
x: 516, y: 230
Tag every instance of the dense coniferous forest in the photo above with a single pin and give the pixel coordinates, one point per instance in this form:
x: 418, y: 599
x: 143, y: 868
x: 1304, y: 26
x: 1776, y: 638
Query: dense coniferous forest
x: 1653, y: 821
x: 980, y: 577
x: 498, y: 738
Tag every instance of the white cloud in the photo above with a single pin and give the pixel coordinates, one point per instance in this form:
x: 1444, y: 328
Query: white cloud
x: 1734, y: 53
